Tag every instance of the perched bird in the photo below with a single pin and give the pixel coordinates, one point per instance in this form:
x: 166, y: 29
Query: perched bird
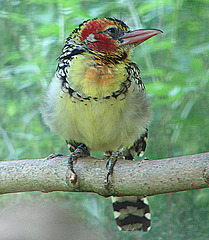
x: 97, y: 101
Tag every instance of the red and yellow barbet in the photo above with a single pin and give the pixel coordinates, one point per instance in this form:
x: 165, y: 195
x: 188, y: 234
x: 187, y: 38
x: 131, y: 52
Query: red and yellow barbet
x: 97, y: 102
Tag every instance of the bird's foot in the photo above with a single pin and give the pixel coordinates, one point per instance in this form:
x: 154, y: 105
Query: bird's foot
x: 111, y: 160
x: 80, y: 151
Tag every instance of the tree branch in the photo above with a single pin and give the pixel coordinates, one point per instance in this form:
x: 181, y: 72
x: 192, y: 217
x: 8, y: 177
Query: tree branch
x: 149, y: 177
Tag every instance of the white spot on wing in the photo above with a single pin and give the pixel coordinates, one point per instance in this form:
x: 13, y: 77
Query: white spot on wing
x: 145, y: 200
x: 116, y: 214
x: 148, y: 216
x: 141, y: 154
x: 120, y: 228
x: 148, y: 228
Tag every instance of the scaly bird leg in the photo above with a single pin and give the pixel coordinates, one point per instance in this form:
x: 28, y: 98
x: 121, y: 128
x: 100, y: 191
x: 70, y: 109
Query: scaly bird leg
x: 111, y: 163
x: 80, y: 151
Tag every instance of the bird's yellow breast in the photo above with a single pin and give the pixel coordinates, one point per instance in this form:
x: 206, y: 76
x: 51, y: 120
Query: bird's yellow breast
x: 94, y: 78
x: 101, y: 123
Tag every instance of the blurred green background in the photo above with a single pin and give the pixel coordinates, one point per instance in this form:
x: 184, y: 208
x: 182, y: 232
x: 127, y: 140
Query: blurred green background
x: 175, y: 69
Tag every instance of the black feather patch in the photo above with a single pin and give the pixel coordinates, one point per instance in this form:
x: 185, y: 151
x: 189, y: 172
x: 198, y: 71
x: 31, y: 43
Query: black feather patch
x: 132, y: 213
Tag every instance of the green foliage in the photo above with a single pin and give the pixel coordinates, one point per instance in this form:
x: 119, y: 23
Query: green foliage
x: 174, y: 67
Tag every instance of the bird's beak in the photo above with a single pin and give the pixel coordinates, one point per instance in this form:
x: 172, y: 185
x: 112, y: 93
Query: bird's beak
x: 138, y: 36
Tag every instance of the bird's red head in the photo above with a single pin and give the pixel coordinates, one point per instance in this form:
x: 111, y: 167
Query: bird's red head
x: 110, y: 36
x: 103, y: 34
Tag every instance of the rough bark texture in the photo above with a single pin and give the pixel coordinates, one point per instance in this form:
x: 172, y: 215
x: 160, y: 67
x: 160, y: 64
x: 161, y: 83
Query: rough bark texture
x: 149, y: 177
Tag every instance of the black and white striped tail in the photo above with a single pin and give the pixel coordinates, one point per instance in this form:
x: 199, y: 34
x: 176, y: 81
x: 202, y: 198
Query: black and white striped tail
x: 132, y: 213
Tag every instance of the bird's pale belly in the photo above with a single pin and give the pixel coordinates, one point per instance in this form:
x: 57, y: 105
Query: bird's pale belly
x: 101, y: 125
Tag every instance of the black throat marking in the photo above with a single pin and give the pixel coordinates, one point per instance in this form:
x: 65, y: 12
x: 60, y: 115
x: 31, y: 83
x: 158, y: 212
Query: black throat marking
x: 68, y: 53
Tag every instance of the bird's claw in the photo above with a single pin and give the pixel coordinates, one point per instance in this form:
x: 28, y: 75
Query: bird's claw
x: 81, y: 151
x: 54, y: 155
x: 111, y: 161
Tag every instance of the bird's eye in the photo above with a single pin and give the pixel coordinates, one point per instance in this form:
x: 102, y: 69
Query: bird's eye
x: 115, y: 33
x: 112, y: 30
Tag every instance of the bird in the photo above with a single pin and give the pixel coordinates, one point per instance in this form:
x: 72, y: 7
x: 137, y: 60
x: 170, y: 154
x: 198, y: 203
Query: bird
x: 97, y: 102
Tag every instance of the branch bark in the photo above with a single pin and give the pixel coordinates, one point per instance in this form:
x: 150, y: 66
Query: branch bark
x: 149, y: 177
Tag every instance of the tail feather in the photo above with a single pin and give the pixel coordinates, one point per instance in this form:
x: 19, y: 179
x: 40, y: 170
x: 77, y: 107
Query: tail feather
x: 132, y: 213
